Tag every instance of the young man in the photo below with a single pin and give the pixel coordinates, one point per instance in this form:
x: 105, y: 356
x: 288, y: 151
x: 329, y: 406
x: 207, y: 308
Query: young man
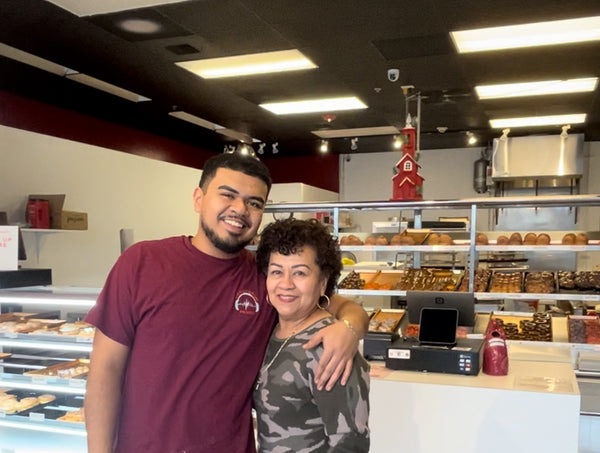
x: 182, y: 325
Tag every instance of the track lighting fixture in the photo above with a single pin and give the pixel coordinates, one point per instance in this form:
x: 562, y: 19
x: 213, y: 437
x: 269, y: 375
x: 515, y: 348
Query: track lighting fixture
x: 471, y: 138
x: 324, y: 146
x: 245, y: 150
x: 398, y: 141
x: 261, y: 148
x: 229, y: 149
x: 354, y: 144
x: 274, y: 149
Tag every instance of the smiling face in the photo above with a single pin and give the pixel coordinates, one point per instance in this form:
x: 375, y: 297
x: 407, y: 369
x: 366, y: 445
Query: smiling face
x: 231, y: 208
x: 295, y: 283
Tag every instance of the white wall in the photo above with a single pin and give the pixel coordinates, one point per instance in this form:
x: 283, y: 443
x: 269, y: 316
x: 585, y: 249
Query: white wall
x: 448, y: 174
x: 116, y: 189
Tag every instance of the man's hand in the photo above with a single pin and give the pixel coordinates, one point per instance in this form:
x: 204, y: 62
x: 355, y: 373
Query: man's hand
x: 339, y: 347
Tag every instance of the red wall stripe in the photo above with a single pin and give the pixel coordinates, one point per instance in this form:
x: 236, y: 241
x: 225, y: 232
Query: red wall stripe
x: 28, y: 114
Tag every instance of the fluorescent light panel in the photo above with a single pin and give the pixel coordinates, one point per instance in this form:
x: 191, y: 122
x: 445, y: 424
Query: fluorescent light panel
x: 356, y: 132
x: 315, y: 105
x: 512, y: 90
x: 251, y: 64
x: 528, y: 35
x: 574, y: 118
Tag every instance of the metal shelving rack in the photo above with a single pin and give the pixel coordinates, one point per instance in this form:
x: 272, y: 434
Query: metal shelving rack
x: 474, y: 205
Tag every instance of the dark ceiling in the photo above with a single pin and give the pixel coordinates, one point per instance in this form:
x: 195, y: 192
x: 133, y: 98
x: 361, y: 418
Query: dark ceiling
x: 353, y: 42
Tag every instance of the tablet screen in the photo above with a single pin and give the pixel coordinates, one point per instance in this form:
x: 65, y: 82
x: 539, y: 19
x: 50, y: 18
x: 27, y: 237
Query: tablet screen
x: 438, y: 326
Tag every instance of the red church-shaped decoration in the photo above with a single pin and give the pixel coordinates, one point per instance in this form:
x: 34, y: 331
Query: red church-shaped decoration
x: 407, y: 182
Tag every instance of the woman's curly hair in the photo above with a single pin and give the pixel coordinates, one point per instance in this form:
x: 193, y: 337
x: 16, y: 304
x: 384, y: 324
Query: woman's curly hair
x: 290, y: 235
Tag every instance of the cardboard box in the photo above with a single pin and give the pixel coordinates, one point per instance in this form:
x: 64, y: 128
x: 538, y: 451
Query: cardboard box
x: 63, y: 220
x: 71, y: 220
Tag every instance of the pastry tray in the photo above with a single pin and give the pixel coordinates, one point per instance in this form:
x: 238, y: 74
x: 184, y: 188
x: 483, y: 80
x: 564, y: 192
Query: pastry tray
x: 386, y: 320
x: 61, y: 370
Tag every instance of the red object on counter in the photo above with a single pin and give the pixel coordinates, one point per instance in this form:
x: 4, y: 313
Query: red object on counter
x: 38, y: 214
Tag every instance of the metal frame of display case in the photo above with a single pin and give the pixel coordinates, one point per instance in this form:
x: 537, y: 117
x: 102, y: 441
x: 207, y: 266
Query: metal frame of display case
x: 472, y: 204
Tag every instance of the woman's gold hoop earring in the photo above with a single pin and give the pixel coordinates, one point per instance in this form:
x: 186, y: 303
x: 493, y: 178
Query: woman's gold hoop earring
x: 323, y: 305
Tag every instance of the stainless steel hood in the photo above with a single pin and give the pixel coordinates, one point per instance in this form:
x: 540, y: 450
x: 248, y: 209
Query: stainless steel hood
x: 537, y: 157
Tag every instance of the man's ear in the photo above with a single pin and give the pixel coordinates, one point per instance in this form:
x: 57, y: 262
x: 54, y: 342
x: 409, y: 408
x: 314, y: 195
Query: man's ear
x: 198, y: 196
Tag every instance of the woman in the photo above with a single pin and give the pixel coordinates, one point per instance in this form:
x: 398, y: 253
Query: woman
x: 302, y: 264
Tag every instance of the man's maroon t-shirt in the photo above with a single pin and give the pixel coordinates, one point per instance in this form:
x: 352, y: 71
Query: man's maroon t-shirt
x: 197, y: 327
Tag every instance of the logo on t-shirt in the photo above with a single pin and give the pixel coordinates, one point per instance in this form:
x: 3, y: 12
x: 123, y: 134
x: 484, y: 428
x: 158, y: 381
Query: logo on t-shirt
x: 246, y: 303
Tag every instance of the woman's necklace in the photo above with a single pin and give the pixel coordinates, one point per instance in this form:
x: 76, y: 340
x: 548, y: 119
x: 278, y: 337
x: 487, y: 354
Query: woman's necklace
x: 266, y: 367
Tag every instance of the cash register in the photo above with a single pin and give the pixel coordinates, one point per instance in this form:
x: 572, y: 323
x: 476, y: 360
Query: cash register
x: 437, y: 348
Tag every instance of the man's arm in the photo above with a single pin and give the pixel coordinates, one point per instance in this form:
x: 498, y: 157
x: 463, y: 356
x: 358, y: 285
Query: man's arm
x: 103, y: 392
x: 340, y: 342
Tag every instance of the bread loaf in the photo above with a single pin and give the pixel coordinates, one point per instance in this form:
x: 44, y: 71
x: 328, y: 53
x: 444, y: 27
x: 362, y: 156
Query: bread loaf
x: 370, y: 240
x: 446, y: 239
x: 481, y: 239
x: 502, y: 240
x: 515, y: 239
x: 542, y: 239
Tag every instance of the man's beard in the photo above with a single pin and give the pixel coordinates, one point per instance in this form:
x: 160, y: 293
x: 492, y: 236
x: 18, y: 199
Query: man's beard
x: 227, y: 247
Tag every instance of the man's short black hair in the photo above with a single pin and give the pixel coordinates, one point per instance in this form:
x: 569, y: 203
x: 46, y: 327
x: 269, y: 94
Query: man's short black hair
x: 248, y: 165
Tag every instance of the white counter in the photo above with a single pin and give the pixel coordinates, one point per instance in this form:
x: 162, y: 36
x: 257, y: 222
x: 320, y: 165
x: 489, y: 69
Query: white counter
x: 533, y: 409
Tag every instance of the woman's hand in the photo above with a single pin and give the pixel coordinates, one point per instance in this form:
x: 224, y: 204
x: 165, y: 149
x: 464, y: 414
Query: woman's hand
x: 339, y: 347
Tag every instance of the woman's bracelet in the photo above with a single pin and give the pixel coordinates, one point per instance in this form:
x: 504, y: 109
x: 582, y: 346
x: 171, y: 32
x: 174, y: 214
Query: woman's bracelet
x: 352, y: 329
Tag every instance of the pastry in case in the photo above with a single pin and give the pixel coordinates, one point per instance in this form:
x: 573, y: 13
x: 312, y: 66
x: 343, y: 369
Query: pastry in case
x: 525, y: 326
x: 77, y: 416
x: 14, y: 402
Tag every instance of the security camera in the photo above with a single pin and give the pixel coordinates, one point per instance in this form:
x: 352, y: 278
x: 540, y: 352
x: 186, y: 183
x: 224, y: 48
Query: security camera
x: 393, y: 75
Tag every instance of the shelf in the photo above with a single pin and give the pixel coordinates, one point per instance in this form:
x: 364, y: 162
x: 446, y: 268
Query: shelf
x: 46, y: 425
x: 538, y: 248
x: 46, y: 384
x: 49, y: 230
x: 54, y: 296
x: 482, y: 296
x: 55, y: 343
x: 406, y: 248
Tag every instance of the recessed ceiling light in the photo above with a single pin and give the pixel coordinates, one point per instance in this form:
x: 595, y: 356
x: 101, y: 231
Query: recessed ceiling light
x: 140, y: 26
x: 573, y: 118
x: 241, y: 65
x: 528, y: 35
x: 511, y: 90
x: 315, y: 105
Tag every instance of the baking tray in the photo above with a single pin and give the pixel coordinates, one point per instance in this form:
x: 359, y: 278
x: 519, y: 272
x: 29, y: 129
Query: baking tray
x: 74, y: 369
x: 418, y: 235
x: 496, y: 275
x: 518, y: 318
x: 429, y: 280
x: 386, y: 320
x: 550, y: 277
